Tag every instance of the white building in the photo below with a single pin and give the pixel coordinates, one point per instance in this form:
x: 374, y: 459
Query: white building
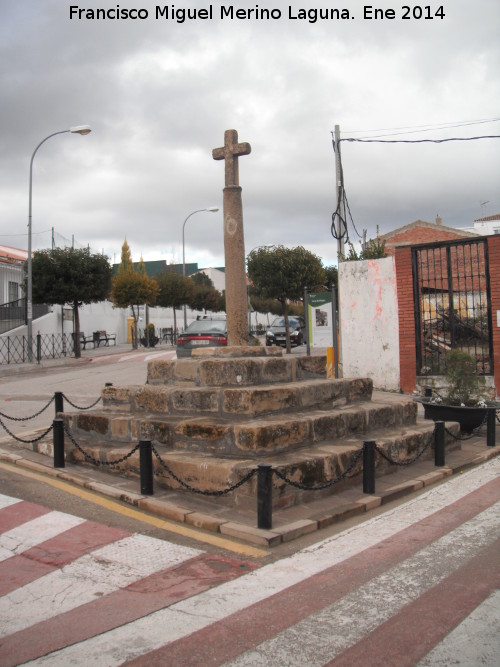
x: 486, y: 226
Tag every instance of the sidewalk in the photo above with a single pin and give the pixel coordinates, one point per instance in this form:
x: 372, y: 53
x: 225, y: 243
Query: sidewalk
x: 288, y: 524
x: 70, y: 362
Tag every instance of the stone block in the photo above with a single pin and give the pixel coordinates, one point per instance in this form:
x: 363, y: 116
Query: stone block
x: 195, y: 400
x: 307, y: 367
x: 296, y: 529
x: 152, y: 429
x: 161, y: 371
x: 201, y: 429
x: 254, y: 401
x: 316, y: 393
x: 116, y: 396
x: 230, y: 372
x: 380, y: 416
x: 120, y: 427
x: 277, y: 369
x: 152, y: 399
x: 266, y: 436
x: 186, y: 371
x: 93, y: 422
x: 328, y: 427
x: 163, y: 509
x: 249, y: 534
x: 204, y: 521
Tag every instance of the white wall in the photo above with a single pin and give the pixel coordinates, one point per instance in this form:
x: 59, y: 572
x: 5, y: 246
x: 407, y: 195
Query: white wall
x: 369, y: 321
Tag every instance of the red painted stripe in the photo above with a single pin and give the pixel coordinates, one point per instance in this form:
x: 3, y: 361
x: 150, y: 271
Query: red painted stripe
x: 405, y: 639
x: 18, y: 513
x: 123, y: 606
x: 55, y: 553
x: 215, y: 644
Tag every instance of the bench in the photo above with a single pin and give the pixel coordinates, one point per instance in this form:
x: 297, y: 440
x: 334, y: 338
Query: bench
x: 103, y: 337
x: 84, y: 340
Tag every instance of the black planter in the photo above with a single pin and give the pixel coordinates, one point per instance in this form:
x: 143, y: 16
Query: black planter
x: 468, y: 418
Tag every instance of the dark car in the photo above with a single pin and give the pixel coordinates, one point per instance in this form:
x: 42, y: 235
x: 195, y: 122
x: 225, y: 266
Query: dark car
x: 203, y: 332
x: 276, y: 334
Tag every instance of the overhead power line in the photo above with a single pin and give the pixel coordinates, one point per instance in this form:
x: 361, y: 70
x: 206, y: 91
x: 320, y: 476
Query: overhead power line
x: 419, y: 141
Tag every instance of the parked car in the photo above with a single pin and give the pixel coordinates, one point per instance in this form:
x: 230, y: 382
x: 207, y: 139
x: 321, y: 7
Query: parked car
x: 203, y: 332
x: 276, y: 334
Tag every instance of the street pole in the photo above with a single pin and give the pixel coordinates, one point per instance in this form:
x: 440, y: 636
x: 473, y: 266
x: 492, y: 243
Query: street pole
x: 212, y: 209
x: 83, y: 130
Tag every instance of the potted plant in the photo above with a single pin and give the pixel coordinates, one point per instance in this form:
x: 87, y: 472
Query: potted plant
x: 150, y: 339
x: 464, y: 399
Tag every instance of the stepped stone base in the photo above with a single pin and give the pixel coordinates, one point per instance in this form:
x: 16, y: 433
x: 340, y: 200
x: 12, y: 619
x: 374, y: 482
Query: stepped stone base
x: 214, y: 417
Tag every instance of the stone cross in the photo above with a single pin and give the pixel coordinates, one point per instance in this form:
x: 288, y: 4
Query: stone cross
x: 230, y: 153
x: 234, y: 240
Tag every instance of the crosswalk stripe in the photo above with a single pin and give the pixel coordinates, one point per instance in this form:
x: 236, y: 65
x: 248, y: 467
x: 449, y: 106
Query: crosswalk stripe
x: 14, y: 514
x: 208, y: 613
x: 47, y: 556
x: 99, y: 573
x: 28, y: 534
x: 122, y: 606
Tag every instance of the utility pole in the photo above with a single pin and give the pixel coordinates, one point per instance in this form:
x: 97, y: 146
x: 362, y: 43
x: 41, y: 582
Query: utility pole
x: 340, y: 230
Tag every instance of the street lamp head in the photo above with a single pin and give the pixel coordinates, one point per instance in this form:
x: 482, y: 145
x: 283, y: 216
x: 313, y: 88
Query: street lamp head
x: 81, y: 129
x: 212, y: 209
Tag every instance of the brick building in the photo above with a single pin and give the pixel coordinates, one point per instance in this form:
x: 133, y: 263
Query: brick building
x: 421, y: 231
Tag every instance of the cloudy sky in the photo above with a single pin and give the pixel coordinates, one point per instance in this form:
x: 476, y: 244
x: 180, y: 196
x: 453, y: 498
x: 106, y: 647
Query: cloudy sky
x: 159, y: 95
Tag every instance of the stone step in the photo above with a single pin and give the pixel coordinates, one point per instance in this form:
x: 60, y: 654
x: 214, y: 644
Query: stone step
x: 220, y: 368
x: 237, y: 402
x: 250, y: 438
x: 311, y: 466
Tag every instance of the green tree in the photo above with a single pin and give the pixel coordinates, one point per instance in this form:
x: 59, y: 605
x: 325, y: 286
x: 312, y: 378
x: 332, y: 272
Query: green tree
x: 132, y: 287
x: 201, y: 278
x: 205, y: 297
x: 282, y: 273
x: 70, y: 275
x: 175, y: 290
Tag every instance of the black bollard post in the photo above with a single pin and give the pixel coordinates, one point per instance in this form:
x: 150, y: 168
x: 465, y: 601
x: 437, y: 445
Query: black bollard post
x: 265, y: 496
x: 428, y: 392
x: 369, y: 466
x: 439, y: 443
x: 491, y: 427
x: 58, y: 435
x: 146, y: 466
x: 59, y: 402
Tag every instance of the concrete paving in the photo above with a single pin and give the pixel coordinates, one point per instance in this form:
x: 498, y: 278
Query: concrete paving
x: 25, y: 388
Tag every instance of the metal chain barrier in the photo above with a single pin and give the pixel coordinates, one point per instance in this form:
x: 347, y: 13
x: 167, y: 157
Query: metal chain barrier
x: 472, y: 434
x: 409, y: 461
x: 325, y: 485
x: 203, y: 492
x: 79, y: 407
x: 23, y: 419
x: 27, y: 442
x: 91, y: 459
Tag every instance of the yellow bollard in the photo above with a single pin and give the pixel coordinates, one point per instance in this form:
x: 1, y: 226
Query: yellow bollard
x: 330, y: 362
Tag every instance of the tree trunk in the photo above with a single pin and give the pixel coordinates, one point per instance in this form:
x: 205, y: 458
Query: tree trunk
x: 135, y: 340
x: 76, y: 315
x: 175, y: 325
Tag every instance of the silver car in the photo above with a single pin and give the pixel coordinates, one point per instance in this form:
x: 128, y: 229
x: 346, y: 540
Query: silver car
x: 203, y: 332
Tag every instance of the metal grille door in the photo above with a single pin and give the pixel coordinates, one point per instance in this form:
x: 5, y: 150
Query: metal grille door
x: 452, y: 304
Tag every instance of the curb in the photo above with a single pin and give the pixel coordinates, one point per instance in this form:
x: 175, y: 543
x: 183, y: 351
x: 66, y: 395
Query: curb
x: 243, y: 532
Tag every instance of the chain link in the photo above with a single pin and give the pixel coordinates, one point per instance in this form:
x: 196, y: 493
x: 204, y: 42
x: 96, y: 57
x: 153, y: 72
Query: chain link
x: 474, y: 432
x: 27, y: 442
x: 91, y: 459
x: 78, y: 407
x: 409, y: 461
x: 24, y: 419
x: 203, y: 492
x: 325, y: 485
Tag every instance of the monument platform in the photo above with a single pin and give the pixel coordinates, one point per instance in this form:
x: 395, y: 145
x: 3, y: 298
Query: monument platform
x: 214, y: 417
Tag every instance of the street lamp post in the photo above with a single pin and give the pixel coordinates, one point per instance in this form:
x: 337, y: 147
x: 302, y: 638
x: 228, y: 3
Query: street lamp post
x: 212, y: 209
x: 80, y: 129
